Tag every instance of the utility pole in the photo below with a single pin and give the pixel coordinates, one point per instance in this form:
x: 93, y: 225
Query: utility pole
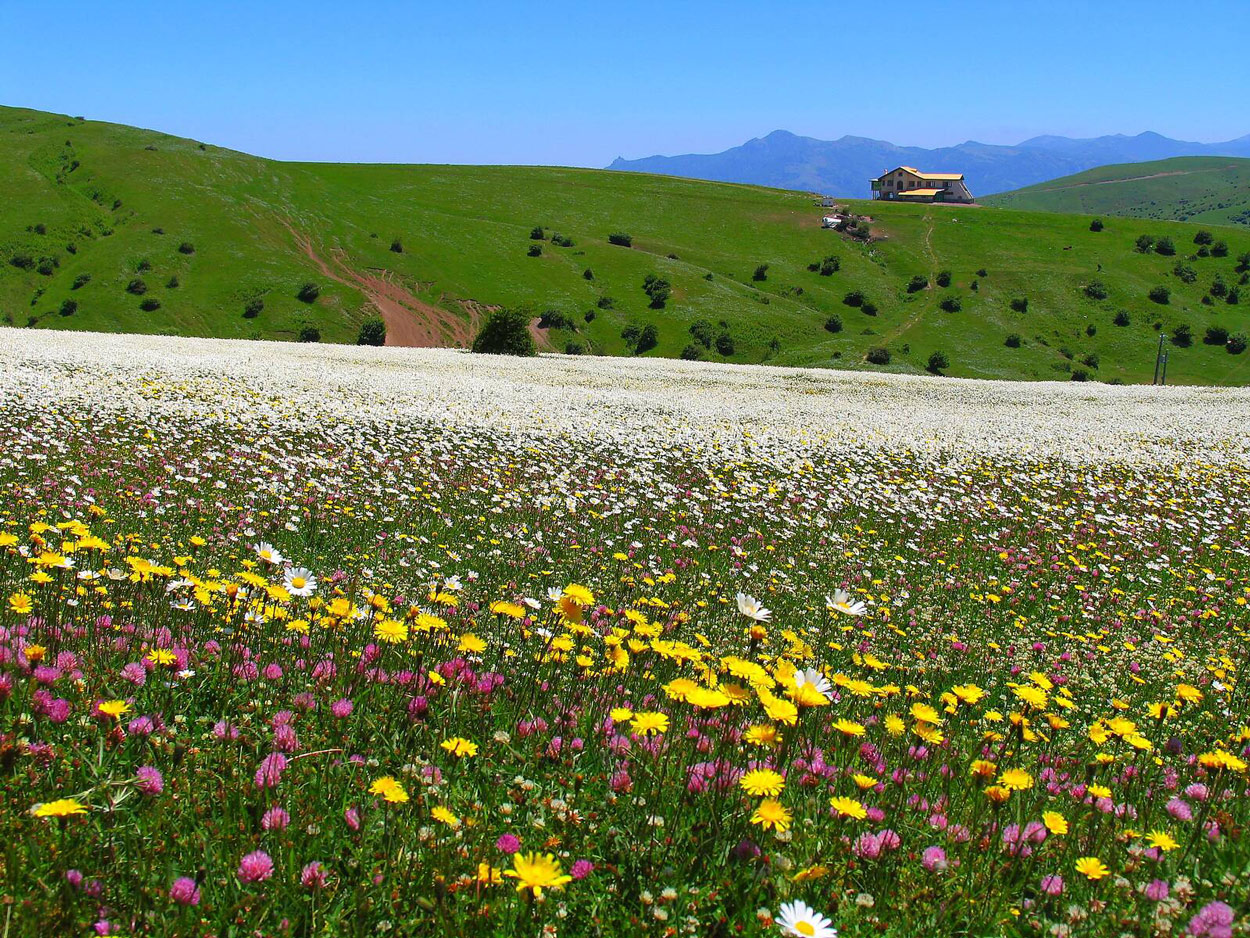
x: 1159, y: 358
x: 1164, y: 377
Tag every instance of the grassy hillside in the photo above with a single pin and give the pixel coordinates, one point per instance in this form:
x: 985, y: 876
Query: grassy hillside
x: 1214, y: 190
x: 82, y: 198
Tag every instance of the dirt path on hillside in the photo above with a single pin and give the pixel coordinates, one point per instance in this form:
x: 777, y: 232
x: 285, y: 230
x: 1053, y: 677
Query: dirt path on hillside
x: 1112, y: 182
x: 410, y: 321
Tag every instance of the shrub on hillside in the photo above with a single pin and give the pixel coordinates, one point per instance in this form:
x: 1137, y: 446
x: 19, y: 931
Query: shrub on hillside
x: 506, y: 332
x: 658, y: 290
x: 373, y: 332
x: 648, y: 339
x: 1096, y: 225
x: 308, y: 293
x: 917, y: 283
x: 1165, y: 247
x: 854, y: 298
x: 536, y: 233
x: 878, y: 356
x: 253, y: 307
x: 1013, y: 340
x: 621, y: 239
x: 702, y: 332
x: 691, y: 353
x: 631, y: 333
x: 1203, y: 237
x: 1145, y: 244
x: 535, y: 250
x: 937, y: 362
x: 1216, y: 335
x: 1121, y: 318
x: 397, y: 246
x: 943, y: 279
x: 760, y: 273
x: 1183, y: 336
x: 1236, y: 343
x: 47, y: 266
x: 574, y: 348
x: 1218, y: 287
x: 150, y: 305
x: 1243, y: 262
x: 1020, y: 304
x: 69, y: 307
x: 137, y: 287
x: 951, y: 304
x: 1184, y: 273
x: 868, y: 308
x: 186, y: 248
x: 143, y: 266
x: 1219, y: 249
x: 310, y: 334
x: 833, y: 323
x: 830, y: 265
x: 555, y: 319
x: 22, y: 261
x: 1096, y: 290
x: 1080, y: 374
x: 172, y: 282
x: 80, y: 281
x: 1160, y: 295
x: 725, y: 344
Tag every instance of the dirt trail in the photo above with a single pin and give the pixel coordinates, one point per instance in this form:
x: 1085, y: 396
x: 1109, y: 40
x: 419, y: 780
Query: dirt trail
x: 1112, y: 182
x: 410, y: 321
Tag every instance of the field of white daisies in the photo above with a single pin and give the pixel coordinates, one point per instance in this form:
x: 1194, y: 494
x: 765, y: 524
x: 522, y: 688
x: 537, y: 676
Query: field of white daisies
x: 324, y: 641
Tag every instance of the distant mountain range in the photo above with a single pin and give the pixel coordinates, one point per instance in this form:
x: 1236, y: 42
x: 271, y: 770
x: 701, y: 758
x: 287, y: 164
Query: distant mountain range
x: 844, y: 167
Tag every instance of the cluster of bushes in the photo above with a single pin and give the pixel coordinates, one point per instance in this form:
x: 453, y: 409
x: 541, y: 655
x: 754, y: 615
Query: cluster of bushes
x: 555, y: 319
x: 641, y: 339
x: 707, y: 336
x: 879, y: 355
x: 45, y: 265
x: 1020, y: 304
x: 917, y: 283
x: 951, y: 304
x: 620, y: 239
x: 937, y: 363
x: 827, y: 266
x: 1096, y: 290
x: 373, y: 332
x: 505, y: 332
x: 561, y: 241
x: 658, y: 290
x: 856, y: 300
x: 1148, y: 243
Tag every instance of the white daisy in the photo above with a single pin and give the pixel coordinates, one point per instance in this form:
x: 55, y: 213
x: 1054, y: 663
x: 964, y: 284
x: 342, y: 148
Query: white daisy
x: 813, y: 677
x: 752, y: 608
x: 299, y: 582
x: 799, y: 918
x: 843, y: 603
x: 268, y: 553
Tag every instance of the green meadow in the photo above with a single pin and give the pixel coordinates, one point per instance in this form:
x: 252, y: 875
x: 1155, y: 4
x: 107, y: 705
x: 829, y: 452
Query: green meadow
x: 91, y: 207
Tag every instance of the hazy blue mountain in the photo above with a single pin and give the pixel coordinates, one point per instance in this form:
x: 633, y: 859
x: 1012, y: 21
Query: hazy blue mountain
x: 844, y: 166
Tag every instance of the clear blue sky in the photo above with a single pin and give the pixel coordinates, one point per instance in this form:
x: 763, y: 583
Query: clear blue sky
x: 579, y: 82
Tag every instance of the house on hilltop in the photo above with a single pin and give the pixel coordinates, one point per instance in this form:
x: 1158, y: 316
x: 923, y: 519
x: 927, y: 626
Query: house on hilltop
x: 911, y: 185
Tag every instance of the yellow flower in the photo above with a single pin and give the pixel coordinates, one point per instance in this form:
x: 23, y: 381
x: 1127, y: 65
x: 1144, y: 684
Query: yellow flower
x: 771, y: 813
x: 762, y: 783
x: 488, y: 875
x: 982, y: 768
x: 580, y: 595
x: 536, y: 872
x: 649, y: 723
x: 459, y: 747
x: 21, y: 604
x: 620, y: 714
x: 1099, y: 791
x: 391, y: 631
x: 389, y: 789
x: 864, y: 782
x: 507, y: 609
x: 62, y: 807
x: 1055, y: 822
x: 925, y: 714
x: 1092, y: 868
x: 894, y: 724
x: 444, y: 816
x: 1035, y: 697
x: 1163, y: 840
x: 997, y: 793
x: 968, y: 693
x: 471, y: 644
x: 114, y: 708
x: 761, y: 735
x: 162, y: 656
x: 848, y: 807
x: 1188, y: 693
x: 849, y: 727
x: 1016, y: 780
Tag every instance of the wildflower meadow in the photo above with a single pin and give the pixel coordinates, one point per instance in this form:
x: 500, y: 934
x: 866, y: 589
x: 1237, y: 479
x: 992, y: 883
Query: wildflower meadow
x: 310, y: 641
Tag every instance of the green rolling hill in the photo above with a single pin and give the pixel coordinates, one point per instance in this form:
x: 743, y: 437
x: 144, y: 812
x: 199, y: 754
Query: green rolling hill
x: 222, y: 243
x: 1212, y: 190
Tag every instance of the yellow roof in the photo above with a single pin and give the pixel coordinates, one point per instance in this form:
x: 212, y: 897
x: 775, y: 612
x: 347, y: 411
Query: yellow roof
x: 941, y: 175
x: 906, y: 192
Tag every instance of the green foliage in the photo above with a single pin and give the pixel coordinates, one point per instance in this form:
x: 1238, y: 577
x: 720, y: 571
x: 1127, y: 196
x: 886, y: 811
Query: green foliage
x: 1121, y: 318
x: 534, y: 250
x: 137, y: 287
x: 1236, y: 343
x: 536, y: 233
x: 648, y: 339
x: 693, y: 352
x: 313, y: 334
x: 1096, y: 225
x: 620, y: 239
x: 937, y: 363
x: 833, y: 323
x: 556, y: 319
x: 658, y: 290
x: 1183, y: 336
x: 1202, y: 236
x: 943, y: 279
x: 574, y: 348
x: 1013, y: 340
x: 1145, y: 243
x: 760, y: 273
x: 1160, y: 295
x: 1096, y: 290
x: 69, y: 307
x: 506, y: 332
x: 725, y: 344
x: 149, y: 304
x: 397, y: 246
x: 80, y: 281
x: 917, y: 283
x: 951, y: 304
x: 186, y: 247
x: 1184, y: 273
x: 1219, y: 249
x: 253, y: 307
x: 562, y: 241
x: 1020, y: 304
x: 854, y: 298
x: 702, y: 332
x: 373, y: 332
x: 878, y: 355
x: 308, y: 292
x: 1165, y: 246
x: 1215, y: 335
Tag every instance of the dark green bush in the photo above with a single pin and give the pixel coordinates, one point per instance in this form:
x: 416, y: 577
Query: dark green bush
x: 536, y: 233
x: 69, y: 307
x: 621, y: 239
x: 1165, y: 247
x: 150, y: 305
x: 1145, y: 244
x: 1013, y: 340
x: 561, y: 241
x: 833, y: 323
x: 1080, y: 374
x: 701, y: 330
x: 657, y: 289
x: 1096, y: 225
x: 631, y: 333
x: 692, y: 353
x: 1160, y: 295
x: 943, y: 279
x: 137, y: 287
x: 1219, y: 249
x: 648, y: 339
x: 830, y: 265
x: 605, y: 302
x: 1236, y: 343
x: 725, y: 344
x: 588, y: 274
x: 937, y: 362
x: 535, y: 250
x: 1096, y: 290
x: 951, y: 304
x: 1121, y: 318
x: 373, y: 332
x: 172, y: 282
x: 1218, y: 287
x: 917, y: 283
x: 22, y: 261
x: 555, y: 319
x: 80, y: 281
x: 1183, y: 336
x: 878, y: 356
x: 310, y: 334
x: 186, y: 248
x: 574, y: 348
x: 1216, y: 335
x: 308, y: 292
x: 854, y: 298
x: 760, y: 273
x: 253, y: 307
x: 1020, y: 304
x: 1203, y: 237
x: 397, y: 246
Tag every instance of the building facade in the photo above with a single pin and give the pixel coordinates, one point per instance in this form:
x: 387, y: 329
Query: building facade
x: 908, y: 184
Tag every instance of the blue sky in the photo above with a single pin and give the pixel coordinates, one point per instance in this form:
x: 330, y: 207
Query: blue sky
x: 580, y: 83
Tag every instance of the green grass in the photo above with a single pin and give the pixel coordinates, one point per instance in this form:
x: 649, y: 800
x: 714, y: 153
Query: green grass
x: 1214, y: 190
x: 465, y: 232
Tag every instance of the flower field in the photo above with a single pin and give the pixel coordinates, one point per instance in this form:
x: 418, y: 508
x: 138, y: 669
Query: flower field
x: 316, y: 641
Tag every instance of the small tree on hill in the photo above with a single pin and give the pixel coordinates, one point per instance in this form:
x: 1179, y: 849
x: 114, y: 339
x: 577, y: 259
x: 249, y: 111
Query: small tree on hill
x: 938, y: 362
x: 760, y: 273
x: 621, y: 239
x: 372, y: 332
x: 648, y: 339
x: 1096, y: 225
x: 311, y: 334
x: 308, y: 293
x: 1165, y: 247
x: 1160, y: 295
x: 506, y: 332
